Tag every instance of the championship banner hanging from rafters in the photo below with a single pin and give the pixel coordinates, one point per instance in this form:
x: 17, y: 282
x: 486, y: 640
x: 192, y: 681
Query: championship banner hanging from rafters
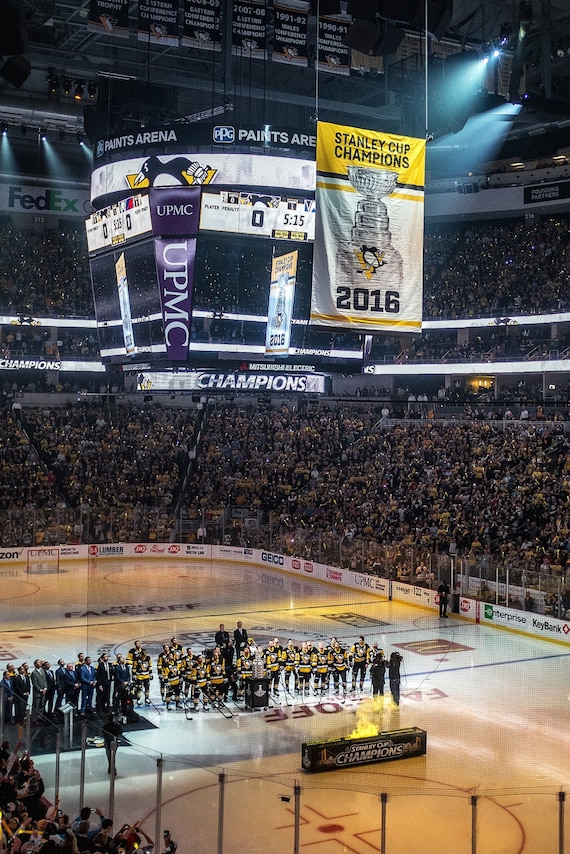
x: 158, y: 22
x: 249, y: 35
x: 202, y: 24
x: 333, y: 55
x: 281, y: 297
x: 290, y: 35
x: 110, y: 17
x: 368, y: 255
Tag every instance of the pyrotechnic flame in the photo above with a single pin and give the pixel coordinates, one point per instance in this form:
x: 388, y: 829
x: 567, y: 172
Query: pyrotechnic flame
x: 368, y: 714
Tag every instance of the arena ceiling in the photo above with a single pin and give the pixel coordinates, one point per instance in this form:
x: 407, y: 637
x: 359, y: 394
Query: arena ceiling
x: 141, y: 83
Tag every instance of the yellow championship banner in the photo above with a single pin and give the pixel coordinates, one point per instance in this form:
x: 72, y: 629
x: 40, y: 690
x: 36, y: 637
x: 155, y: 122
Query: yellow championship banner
x: 281, y: 297
x: 368, y: 253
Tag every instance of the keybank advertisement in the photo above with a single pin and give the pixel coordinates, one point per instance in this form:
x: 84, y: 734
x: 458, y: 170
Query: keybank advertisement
x: 49, y: 200
x: 539, y: 625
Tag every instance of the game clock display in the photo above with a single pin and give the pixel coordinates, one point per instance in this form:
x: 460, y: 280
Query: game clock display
x: 258, y: 214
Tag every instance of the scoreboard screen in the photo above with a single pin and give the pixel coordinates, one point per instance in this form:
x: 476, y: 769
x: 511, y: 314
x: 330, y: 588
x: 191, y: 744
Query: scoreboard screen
x: 127, y: 305
x: 261, y: 215
x: 114, y: 225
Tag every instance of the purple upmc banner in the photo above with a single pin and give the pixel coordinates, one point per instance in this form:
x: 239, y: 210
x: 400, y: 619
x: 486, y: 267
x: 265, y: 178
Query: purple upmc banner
x: 175, y: 269
x: 175, y: 210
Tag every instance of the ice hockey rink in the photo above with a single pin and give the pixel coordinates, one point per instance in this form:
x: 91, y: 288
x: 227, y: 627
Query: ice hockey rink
x: 494, y: 704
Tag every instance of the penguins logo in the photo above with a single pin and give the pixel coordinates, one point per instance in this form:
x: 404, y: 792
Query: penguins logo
x: 178, y: 171
x: 371, y: 259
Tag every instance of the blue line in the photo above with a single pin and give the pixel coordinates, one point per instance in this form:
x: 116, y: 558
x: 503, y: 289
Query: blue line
x: 488, y: 664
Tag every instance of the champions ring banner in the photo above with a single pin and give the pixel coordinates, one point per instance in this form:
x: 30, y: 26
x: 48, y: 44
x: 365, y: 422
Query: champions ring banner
x: 368, y: 254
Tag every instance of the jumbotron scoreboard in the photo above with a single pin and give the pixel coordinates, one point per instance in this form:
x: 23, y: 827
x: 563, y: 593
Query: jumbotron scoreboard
x: 128, y: 219
x: 257, y: 214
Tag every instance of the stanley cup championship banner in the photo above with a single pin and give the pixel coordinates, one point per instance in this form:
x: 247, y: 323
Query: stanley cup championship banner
x: 110, y: 17
x: 280, y: 311
x: 158, y: 22
x: 368, y: 255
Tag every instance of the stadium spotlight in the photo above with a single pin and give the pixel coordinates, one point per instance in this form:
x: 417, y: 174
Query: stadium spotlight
x: 42, y: 133
x: 53, y: 81
x: 80, y: 138
x: 5, y: 130
x: 79, y: 88
x: 91, y: 88
x: 67, y: 85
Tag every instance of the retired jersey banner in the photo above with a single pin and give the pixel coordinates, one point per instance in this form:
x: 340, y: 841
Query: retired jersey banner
x: 333, y: 54
x: 110, y: 17
x: 249, y: 34
x: 280, y: 311
x: 158, y: 22
x: 290, y: 35
x: 202, y: 24
x: 368, y: 255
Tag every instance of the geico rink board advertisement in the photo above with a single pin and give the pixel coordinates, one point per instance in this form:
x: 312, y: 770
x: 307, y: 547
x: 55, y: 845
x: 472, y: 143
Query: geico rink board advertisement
x: 193, y: 169
x: 13, y: 560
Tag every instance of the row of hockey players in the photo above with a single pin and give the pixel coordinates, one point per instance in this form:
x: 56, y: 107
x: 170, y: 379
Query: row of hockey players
x: 304, y: 670
x: 205, y: 679
x: 311, y: 669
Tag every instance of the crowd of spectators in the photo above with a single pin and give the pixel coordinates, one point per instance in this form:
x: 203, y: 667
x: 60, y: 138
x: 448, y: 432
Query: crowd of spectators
x: 479, y: 269
x: 76, y: 473
x: 44, y: 273
x: 487, y: 268
x: 347, y: 472
x: 31, y: 822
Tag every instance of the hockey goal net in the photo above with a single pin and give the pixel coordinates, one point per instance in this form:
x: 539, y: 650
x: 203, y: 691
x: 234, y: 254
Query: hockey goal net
x: 43, y: 561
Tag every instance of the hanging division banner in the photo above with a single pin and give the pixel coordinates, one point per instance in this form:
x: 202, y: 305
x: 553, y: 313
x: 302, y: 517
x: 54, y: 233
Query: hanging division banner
x: 368, y: 256
x: 333, y: 54
x: 249, y: 34
x: 158, y: 22
x: 281, y: 296
x: 110, y: 17
x: 202, y: 24
x: 290, y: 35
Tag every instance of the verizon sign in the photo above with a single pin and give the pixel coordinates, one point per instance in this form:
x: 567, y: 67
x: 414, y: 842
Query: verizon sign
x: 175, y: 270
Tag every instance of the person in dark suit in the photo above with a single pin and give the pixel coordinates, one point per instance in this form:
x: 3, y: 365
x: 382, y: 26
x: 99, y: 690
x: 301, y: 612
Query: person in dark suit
x: 22, y: 686
x: 60, y: 683
x: 71, y: 685
x: 112, y: 732
x: 88, y: 681
x: 49, y: 707
x: 443, y: 591
x: 240, y: 638
x: 7, y: 697
x: 103, y: 679
x: 222, y: 637
x: 122, y: 678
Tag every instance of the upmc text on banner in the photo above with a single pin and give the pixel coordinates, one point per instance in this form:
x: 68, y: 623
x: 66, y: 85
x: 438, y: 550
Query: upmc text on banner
x: 281, y: 296
x: 368, y: 257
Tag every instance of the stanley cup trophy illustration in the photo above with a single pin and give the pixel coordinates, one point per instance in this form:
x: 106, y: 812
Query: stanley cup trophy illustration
x: 370, y: 251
